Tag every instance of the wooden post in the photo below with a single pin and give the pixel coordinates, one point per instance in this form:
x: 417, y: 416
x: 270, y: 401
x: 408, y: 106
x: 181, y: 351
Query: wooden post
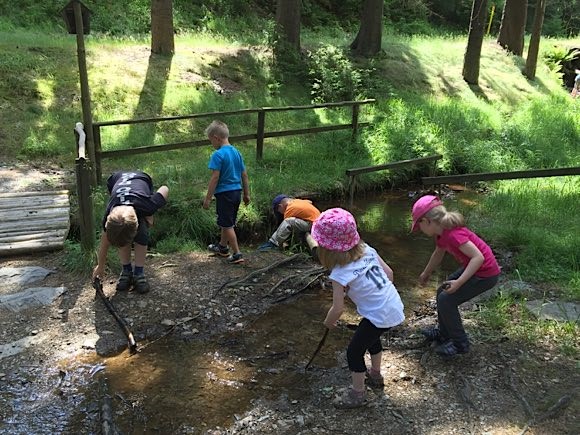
x: 85, y: 94
x: 351, y: 188
x: 98, y: 159
x: 355, y: 112
x: 86, y: 219
x: 260, y: 135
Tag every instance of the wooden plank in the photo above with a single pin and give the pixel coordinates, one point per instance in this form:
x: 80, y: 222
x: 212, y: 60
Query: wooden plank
x: 33, y: 202
x: 23, y: 247
x: 168, y: 147
x: 34, y: 224
x: 392, y: 165
x: 312, y: 130
x: 34, y: 213
x: 45, y: 235
x: 488, y: 176
x: 29, y: 194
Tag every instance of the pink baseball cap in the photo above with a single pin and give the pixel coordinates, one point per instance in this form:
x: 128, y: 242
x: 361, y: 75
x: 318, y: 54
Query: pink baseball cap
x: 421, y: 207
x: 335, y: 229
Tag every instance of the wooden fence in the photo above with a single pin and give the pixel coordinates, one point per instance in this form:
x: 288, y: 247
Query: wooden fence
x: 352, y: 173
x: 488, y: 176
x: 258, y: 136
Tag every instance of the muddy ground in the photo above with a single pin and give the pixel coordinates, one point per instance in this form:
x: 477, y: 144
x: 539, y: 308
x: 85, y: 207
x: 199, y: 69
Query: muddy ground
x: 500, y: 387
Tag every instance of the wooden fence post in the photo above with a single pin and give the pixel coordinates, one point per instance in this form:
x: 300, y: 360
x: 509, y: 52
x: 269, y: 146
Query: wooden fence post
x: 97, y: 140
x: 355, y: 112
x: 84, y: 174
x: 260, y: 134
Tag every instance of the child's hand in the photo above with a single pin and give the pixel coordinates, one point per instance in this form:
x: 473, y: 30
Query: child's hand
x: 450, y: 286
x: 246, y: 199
x: 206, y: 203
x: 149, y: 220
x: 98, y: 272
x: 329, y: 324
x: 424, y: 277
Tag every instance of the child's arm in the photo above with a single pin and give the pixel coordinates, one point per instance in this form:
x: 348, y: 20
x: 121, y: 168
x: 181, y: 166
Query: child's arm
x: 101, y: 256
x: 475, y: 262
x: 387, y: 269
x: 337, y: 308
x: 213, y: 181
x: 434, y: 262
x: 246, y: 187
x: 164, y: 192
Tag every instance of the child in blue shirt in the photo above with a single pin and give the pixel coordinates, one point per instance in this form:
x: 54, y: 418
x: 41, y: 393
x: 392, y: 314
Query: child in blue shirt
x: 227, y: 182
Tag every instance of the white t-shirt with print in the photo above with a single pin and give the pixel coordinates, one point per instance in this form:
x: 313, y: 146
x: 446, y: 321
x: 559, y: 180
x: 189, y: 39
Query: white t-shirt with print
x: 368, y: 286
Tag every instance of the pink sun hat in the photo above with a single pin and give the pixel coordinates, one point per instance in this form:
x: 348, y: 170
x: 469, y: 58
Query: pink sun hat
x: 335, y: 229
x: 421, y: 207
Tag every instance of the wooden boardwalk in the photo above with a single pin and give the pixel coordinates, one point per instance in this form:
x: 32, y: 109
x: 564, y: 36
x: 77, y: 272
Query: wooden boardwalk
x: 33, y: 221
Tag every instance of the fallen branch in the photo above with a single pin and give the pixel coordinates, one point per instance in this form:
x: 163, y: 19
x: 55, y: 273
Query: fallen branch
x: 257, y: 272
x: 527, y: 408
x: 552, y: 412
x: 289, y: 277
x: 283, y: 298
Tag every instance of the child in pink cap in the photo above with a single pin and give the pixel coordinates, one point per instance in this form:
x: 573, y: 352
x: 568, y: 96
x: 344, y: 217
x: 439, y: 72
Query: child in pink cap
x: 478, y: 272
x: 357, y: 271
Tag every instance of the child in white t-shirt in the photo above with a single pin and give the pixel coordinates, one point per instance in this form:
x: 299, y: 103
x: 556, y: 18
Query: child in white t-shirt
x: 357, y: 271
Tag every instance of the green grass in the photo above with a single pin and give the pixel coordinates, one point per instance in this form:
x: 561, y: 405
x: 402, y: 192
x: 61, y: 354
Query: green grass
x: 423, y: 107
x: 506, y: 316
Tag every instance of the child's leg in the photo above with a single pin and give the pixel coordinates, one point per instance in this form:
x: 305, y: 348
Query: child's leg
x: 366, y: 337
x: 450, y: 323
x: 125, y: 255
x: 140, y: 254
x: 229, y: 235
x: 376, y: 361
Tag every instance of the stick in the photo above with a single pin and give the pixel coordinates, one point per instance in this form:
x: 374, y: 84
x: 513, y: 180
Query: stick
x: 256, y: 272
x: 98, y: 286
x: 308, y: 284
x: 317, y: 349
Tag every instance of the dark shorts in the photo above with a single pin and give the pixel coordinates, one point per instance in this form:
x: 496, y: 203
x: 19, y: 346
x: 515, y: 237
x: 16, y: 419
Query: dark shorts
x: 227, y: 205
x: 142, y: 236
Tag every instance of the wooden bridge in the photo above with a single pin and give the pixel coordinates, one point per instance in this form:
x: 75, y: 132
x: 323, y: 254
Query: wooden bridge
x: 33, y: 221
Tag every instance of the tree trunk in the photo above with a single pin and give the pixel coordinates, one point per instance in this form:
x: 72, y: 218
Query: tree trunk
x: 162, y: 27
x: 532, y: 59
x: 474, y: 42
x: 288, y: 21
x: 368, y: 39
x: 513, y: 25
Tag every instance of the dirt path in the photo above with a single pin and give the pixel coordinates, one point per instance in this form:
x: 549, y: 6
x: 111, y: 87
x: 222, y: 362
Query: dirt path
x: 496, y: 389
x: 501, y: 387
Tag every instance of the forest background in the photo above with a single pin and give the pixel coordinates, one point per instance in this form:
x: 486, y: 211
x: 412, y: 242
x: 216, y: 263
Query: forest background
x: 224, y: 60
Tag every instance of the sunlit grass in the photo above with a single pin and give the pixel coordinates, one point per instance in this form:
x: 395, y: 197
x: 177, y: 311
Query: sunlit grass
x: 507, y: 316
x: 539, y: 221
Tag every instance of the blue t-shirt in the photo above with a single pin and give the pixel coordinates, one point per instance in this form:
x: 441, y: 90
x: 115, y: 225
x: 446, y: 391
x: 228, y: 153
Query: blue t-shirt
x: 229, y: 162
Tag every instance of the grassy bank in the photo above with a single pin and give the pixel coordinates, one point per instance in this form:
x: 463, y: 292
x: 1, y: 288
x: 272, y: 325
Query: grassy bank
x: 424, y: 107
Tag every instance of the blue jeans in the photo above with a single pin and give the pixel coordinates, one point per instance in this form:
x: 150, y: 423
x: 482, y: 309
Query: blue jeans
x: 450, y: 324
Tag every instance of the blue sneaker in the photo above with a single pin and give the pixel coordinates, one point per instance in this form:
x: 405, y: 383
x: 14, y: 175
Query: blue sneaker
x: 268, y: 246
x: 218, y: 249
x: 451, y: 348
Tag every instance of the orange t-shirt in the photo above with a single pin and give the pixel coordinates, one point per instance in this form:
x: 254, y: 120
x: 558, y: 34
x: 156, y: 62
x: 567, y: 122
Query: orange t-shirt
x: 301, y: 209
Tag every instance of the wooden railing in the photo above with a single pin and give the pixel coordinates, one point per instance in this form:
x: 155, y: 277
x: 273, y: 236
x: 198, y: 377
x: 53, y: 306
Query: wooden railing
x: 352, y: 173
x: 488, y: 176
x: 259, y: 136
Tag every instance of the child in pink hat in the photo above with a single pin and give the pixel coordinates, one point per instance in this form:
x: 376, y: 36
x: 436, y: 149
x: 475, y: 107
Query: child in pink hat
x: 357, y: 271
x: 478, y: 272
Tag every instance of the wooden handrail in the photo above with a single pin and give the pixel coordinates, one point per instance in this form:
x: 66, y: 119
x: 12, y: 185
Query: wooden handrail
x: 392, y: 165
x: 487, y: 176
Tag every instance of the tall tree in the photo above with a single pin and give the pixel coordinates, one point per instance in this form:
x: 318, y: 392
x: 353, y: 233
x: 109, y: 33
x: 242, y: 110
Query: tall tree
x: 368, y: 39
x: 162, y: 27
x: 532, y: 59
x: 288, y: 21
x: 513, y: 25
x: 474, y: 42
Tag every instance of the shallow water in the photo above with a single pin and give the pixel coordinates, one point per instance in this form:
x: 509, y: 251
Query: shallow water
x: 186, y: 387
